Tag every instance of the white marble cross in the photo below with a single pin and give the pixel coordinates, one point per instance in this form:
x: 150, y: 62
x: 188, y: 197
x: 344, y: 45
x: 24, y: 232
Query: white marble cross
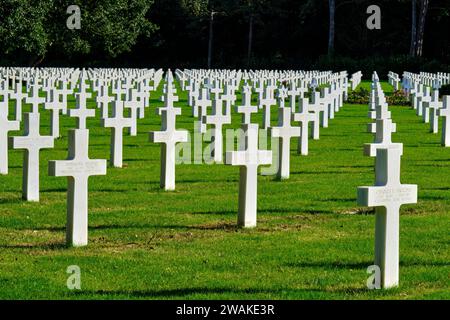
x: 217, y: 119
x: 282, y: 95
x: 103, y: 100
x: 216, y: 90
x: 304, y: 117
x: 81, y: 112
x: 77, y: 168
x: 383, y: 140
x: 35, y: 100
x: 246, y: 109
x: 5, y: 126
x: 200, y: 109
x: 117, y: 123
x: 387, y: 196
x: 228, y: 97
x: 293, y: 93
x: 320, y: 113
x: 55, y: 106
x: 265, y: 103
x: 248, y: 158
x: 284, y: 131
x: 327, y: 99
x: 18, y: 95
x: 432, y: 108
x: 425, y: 97
x: 133, y: 104
x: 445, y: 114
x: 169, y: 136
x: 32, y: 142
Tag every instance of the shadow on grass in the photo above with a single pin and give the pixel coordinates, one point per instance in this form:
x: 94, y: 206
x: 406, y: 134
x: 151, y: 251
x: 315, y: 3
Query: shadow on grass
x: 439, y: 188
x: 360, y: 265
x: 12, y: 201
x: 296, y: 210
x: 39, y: 246
x: 322, y: 172
x: 183, y: 292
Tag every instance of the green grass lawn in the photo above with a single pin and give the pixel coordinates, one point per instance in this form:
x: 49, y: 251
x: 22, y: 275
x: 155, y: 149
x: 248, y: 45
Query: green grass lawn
x: 312, y: 240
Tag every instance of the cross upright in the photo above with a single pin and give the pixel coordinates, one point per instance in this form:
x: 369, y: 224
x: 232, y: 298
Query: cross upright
x: 293, y: 93
x: 133, y: 104
x: 117, y: 123
x: 64, y: 91
x: 77, y: 168
x: 266, y: 103
x: 246, y: 109
x: 81, y: 112
x: 200, y: 109
x: 259, y: 89
x: 445, y: 113
x: 103, y: 100
x: 228, y: 97
x: 118, y: 90
x: 32, y: 142
x: 143, y: 96
x: 18, y: 95
x: 432, y: 109
x: 216, y: 90
x: 282, y: 95
x: 249, y: 158
x: 169, y: 136
x: 284, y: 131
x: 304, y: 117
x: 217, y: 120
x: 55, y: 106
x: 5, y: 126
x: 383, y: 132
x: 321, y: 114
x: 327, y: 99
x: 426, y: 97
x: 35, y: 100
x: 387, y: 196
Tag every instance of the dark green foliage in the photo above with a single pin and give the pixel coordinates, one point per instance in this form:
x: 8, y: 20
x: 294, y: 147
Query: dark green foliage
x: 444, y: 90
x: 359, y: 96
x: 287, y: 34
x: 398, y: 98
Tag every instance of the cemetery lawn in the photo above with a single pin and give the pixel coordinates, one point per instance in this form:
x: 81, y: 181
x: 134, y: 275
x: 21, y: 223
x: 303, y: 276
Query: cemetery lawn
x: 312, y: 240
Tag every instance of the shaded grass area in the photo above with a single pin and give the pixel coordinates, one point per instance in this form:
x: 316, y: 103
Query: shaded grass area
x: 312, y: 240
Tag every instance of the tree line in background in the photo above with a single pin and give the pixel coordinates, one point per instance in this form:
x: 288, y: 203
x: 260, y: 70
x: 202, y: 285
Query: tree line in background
x: 323, y: 34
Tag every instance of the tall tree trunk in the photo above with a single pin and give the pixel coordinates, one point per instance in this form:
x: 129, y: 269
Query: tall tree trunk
x: 210, y: 41
x: 250, y: 40
x: 412, y: 48
x: 421, y: 30
x: 332, y: 5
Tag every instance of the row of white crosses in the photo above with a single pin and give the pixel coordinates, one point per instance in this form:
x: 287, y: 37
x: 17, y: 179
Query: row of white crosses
x: 78, y: 167
x: 427, y: 104
x: 169, y: 136
x: 388, y: 194
x: 214, y: 92
x: 355, y: 79
x: 394, y: 80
